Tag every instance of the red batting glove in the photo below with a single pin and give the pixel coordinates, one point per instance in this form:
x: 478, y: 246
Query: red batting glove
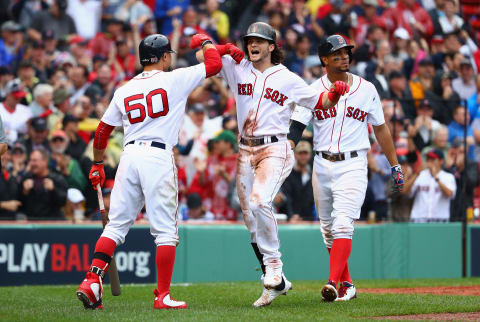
x: 97, y: 175
x: 236, y: 53
x: 338, y: 89
x: 198, y: 39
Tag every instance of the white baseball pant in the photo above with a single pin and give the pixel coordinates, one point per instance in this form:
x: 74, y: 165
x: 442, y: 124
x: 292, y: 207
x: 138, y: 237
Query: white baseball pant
x: 146, y: 175
x: 261, y: 171
x: 339, y: 191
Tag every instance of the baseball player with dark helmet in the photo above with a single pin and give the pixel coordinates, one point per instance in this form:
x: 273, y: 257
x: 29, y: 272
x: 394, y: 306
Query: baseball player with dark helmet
x: 266, y: 93
x: 151, y: 108
x: 341, y: 143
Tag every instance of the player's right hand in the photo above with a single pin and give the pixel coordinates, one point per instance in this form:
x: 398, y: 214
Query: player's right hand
x: 97, y: 175
x: 340, y: 88
x: 198, y: 40
x: 236, y: 53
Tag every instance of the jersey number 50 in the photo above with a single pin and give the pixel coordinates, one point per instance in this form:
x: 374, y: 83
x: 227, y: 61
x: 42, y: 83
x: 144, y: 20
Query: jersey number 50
x: 129, y: 106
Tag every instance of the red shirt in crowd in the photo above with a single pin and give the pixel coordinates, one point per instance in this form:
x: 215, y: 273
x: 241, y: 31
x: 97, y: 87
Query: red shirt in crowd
x: 403, y: 16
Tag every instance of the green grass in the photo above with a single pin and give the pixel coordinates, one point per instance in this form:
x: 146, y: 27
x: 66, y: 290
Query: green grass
x: 229, y: 302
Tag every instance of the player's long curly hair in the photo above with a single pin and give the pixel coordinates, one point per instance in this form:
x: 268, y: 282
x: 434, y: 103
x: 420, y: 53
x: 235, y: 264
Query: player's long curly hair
x: 278, y: 56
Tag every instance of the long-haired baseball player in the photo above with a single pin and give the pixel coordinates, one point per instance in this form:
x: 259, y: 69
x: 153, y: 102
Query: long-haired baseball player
x: 151, y: 108
x: 340, y: 165
x: 266, y: 93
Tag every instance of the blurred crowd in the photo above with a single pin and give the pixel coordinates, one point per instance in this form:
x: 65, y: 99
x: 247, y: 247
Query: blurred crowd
x: 61, y: 61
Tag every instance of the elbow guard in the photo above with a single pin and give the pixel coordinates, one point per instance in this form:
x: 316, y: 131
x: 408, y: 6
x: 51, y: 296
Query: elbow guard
x: 296, y: 130
x: 101, y: 135
x: 213, y: 62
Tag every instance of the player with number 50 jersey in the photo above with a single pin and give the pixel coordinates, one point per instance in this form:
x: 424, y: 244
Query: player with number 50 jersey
x: 151, y: 108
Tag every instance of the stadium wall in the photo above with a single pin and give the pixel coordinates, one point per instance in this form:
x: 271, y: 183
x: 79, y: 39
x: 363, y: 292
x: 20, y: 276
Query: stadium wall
x: 60, y: 254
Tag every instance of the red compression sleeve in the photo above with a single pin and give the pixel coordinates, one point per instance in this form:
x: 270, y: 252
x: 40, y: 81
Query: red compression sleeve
x: 222, y: 49
x: 101, y: 135
x: 319, y: 105
x: 213, y: 62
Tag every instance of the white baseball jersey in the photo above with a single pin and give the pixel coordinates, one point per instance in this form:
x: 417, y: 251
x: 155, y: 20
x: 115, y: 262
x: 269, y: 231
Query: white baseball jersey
x: 151, y: 106
x: 15, y: 122
x: 344, y: 127
x: 430, y: 202
x: 265, y: 101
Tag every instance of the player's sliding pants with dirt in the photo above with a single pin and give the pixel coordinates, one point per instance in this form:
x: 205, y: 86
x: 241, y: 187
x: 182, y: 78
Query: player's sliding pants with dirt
x: 339, y: 191
x: 261, y: 171
x: 139, y: 172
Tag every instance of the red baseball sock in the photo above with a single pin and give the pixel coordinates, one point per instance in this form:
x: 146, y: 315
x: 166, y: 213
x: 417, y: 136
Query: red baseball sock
x: 165, y: 261
x: 339, y: 254
x: 103, y: 249
x: 346, y: 274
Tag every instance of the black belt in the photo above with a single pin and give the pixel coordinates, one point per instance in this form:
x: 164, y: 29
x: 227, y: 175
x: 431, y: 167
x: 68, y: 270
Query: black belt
x: 154, y: 144
x: 257, y: 141
x: 336, y: 157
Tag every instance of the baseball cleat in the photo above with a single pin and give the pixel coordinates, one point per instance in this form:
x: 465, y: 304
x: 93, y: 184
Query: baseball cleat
x: 273, y: 277
x: 329, y: 292
x: 268, y: 295
x: 164, y: 301
x: 90, y: 291
x: 346, y: 292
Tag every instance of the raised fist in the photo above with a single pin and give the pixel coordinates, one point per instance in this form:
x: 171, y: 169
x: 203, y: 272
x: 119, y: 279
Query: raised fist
x: 198, y: 40
x: 340, y: 88
x: 236, y: 53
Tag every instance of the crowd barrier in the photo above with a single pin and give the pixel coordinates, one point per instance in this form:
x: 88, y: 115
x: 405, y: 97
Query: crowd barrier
x: 60, y: 254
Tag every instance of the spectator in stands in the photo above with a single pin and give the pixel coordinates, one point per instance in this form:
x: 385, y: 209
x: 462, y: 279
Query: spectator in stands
x: 432, y: 190
x: 10, y: 43
x: 79, y: 51
x: 450, y: 21
x: 443, y: 89
x: 79, y: 79
x: 337, y: 21
x: 380, y: 173
x: 439, y: 141
x: 37, y: 135
x: 466, y: 178
x: 295, y: 61
x: 473, y: 103
x: 400, y: 92
x: 103, y: 42
x: 218, y: 20
x: 26, y: 74
x: 19, y: 161
x: 456, y: 127
x: 86, y: 15
x: 421, y: 86
x: 75, y: 207
x: 14, y: 115
x: 76, y: 146
x: 5, y: 76
x: 55, y: 18
x: 296, y: 191
x: 103, y: 87
x: 435, y: 14
x: 464, y: 85
x: 195, y: 211
x: 410, y: 15
x: 83, y: 110
x: 8, y: 185
x: 42, y: 192
x: 424, y: 125
x: 43, y: 101
x: 401, y: 38
x: 166, y: 10
x: 367, y: 20
x: 64, y: 163
x: 61, y: 102
x: 219, y: 176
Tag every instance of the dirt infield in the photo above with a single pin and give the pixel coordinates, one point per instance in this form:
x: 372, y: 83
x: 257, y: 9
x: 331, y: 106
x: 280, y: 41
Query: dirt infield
x: 437, y: 290
x: 470, y: 316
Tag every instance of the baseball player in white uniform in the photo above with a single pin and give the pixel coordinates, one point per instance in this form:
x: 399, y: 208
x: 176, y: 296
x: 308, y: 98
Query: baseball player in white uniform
x: 151, y: 108
x: 265, y: 93
x: 340, y: 165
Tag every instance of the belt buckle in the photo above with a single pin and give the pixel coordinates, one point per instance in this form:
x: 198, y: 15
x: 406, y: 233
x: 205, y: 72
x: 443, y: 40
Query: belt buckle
x: 331, y: 157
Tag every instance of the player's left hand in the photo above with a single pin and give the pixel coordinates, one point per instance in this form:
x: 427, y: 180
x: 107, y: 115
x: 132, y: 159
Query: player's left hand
x: 236, y: 53
x: 340, y: 88
x: 397, y: 176
x: 198, y: 40
x: 97, y: 175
